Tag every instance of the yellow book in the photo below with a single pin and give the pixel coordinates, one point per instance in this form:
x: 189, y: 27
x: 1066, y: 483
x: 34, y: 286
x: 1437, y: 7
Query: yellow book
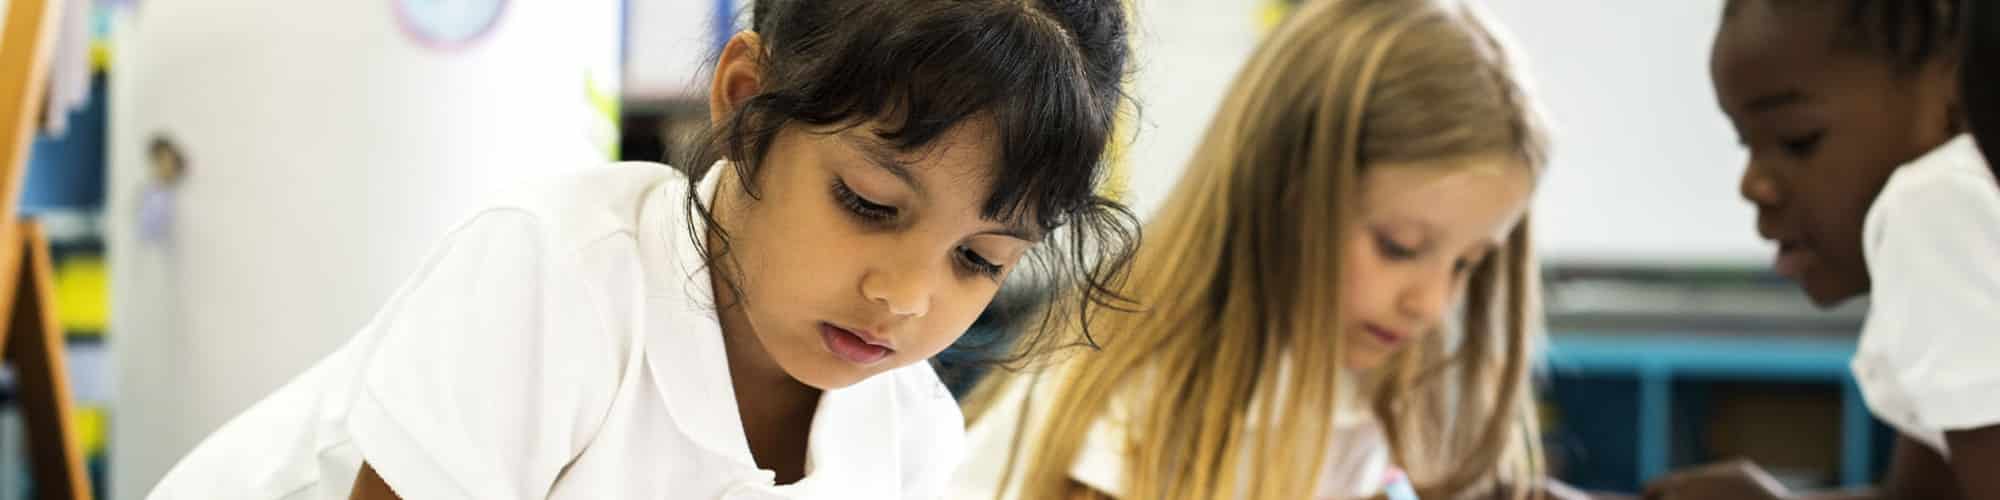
x: 82, y: 295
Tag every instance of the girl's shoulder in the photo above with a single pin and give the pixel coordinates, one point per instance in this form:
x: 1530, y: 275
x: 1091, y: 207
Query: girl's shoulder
x: 583, y: 204
x: 1949, y: 187
x: 1956, y: 169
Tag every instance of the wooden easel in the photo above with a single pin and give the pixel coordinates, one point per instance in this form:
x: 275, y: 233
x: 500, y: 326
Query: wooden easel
x: 32, y: 341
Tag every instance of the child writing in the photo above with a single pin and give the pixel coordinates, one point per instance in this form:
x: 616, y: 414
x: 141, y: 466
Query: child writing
x: 756, y: 329
x: 1339, y: 286
x: 1861, y: 172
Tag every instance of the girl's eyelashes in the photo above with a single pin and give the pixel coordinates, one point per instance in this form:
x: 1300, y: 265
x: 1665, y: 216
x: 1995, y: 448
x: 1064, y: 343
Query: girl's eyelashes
x: 876, y: 213
x: 1392, y: 249
x: 861, y: 207
x: 1802, y: 146
x: 977, y: 263
x: 1466, y: 264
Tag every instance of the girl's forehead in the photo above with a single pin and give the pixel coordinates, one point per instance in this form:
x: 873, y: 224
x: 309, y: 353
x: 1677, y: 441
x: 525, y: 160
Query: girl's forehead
x: 1763, y: 52
x: 953, y: 175
x: 1469, y: 172
x: 1478, y: 197
x: 1761, y: 33
x: 965, y: 152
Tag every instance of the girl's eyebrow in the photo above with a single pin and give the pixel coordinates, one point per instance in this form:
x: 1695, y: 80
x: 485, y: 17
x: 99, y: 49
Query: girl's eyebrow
x: 1017, y: 230
x: 883, y: 157
x: 1773, y: 101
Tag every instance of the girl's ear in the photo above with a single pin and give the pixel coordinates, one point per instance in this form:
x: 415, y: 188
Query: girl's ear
x: 739, y: 75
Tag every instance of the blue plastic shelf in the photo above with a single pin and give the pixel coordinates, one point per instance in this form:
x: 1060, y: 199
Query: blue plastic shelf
x: 1656, y: 360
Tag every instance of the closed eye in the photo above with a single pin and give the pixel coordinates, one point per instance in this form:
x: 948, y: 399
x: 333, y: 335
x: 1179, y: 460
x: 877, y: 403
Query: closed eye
x: 1463, y: 265
x: 978, y: 263
x: 1801, y: 146
x: 1393, y: 250
x: 860, y: 206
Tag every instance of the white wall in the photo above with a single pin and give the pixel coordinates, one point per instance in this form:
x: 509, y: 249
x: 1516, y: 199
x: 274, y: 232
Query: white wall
x: 1187, y: 53
x: 1644, y: 166
x: 328, y: 150
x: 667, y: 43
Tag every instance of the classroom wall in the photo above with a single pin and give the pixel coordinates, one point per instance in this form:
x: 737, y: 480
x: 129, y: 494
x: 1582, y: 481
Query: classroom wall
x: 1186, y: 54
x: 329, y: 146
x: 1644, y: 166
x: 668, y: 45
x: 1645, y: 163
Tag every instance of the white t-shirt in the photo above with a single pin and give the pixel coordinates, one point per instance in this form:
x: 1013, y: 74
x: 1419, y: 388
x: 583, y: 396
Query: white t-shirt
x: 1355, y: 465
x: 563, y: 346
x: 1929, y: 357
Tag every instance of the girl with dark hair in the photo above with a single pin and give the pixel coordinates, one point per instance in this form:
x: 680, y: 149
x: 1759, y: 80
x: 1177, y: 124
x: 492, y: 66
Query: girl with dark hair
x: 757, y: 327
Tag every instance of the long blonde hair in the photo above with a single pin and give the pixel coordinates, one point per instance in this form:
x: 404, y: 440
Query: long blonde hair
x: 1241, y: 269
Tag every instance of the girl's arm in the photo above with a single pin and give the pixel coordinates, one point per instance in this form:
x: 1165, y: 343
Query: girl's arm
x: 1975, y: 458
x: 498, y: 307
x: 1915, y: 473
x: 369, y: 486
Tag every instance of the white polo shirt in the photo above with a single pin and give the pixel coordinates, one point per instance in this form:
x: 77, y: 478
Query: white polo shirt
x: 1929, y: 357
x: 1356, y: 463
x: 563, y: 346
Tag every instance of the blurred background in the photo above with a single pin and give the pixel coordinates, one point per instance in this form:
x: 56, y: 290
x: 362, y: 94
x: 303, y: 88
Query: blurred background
x: 233, y: 186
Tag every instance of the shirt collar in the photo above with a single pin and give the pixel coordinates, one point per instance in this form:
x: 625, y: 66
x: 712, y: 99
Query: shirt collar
x: 854, y: 444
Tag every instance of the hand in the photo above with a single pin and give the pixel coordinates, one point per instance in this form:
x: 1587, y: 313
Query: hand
x: 1558, y: 490
x: 1735, y: 480
x: 1552, y: 489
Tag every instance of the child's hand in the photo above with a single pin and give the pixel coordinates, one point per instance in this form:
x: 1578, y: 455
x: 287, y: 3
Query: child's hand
x: 1737, y: 480
x: 1558, y: 490
x: 1550, y: 489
